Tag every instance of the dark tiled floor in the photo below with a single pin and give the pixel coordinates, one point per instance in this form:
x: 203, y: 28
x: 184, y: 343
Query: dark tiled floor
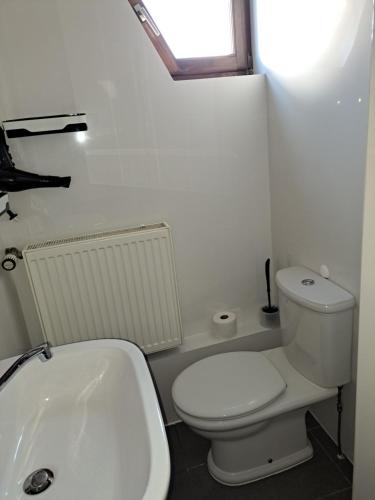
x: 324, y: 477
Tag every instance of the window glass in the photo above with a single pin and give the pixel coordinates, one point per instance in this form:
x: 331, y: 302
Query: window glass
x: 194, y: 28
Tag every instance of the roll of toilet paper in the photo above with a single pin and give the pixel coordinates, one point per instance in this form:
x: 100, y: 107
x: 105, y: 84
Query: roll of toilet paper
x: 224, y: 324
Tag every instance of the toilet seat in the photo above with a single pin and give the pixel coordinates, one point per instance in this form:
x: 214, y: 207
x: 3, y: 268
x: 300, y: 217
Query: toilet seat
x: 226, y: 386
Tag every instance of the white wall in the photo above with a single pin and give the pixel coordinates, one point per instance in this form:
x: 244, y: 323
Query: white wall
x: 316, y: 57
x: 193, y: 153
x: 364, y: 458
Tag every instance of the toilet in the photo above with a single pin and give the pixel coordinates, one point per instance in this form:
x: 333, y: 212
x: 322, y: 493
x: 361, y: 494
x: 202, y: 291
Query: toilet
x: 252, y: 405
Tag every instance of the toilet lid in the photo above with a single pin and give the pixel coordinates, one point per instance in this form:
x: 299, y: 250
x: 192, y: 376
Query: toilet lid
x: 227, y: 385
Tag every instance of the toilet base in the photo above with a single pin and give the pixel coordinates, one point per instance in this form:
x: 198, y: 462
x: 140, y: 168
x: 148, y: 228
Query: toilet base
x: 260, y: 472
x: 246, y: 455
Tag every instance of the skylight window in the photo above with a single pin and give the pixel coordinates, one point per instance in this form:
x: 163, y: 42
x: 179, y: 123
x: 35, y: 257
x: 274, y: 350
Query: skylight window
x: 186, y: 32
x: 198, y: 38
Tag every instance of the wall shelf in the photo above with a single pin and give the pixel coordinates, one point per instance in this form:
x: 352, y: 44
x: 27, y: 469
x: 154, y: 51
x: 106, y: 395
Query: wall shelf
x: 44, y: 125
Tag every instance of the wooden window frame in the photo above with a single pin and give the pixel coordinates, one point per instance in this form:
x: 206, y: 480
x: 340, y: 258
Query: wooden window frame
x: 239, y: 63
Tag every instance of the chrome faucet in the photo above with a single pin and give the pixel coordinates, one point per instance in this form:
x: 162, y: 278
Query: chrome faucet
x: 44, y: 353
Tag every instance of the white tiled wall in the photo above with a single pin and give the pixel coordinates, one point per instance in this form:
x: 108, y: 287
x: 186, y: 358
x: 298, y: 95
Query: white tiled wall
x: 316, y: 57
x: 192, y: 153
x: 364, y: 479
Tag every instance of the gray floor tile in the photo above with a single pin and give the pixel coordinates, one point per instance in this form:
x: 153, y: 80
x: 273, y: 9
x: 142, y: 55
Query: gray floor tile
x: 195, y: 447
x: 174, y: 446
x: 313, y: 480
x: 340, y: 495
x: 330, y: 448
x: 322, y: 478
x: 188, y: 450
x: 180, y: 486
x: 311, y: 423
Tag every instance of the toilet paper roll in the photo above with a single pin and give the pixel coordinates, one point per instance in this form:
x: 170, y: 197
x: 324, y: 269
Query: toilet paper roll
x: 224, y: 324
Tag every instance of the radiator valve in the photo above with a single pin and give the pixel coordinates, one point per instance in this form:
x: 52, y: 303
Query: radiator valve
x: 9, y: 261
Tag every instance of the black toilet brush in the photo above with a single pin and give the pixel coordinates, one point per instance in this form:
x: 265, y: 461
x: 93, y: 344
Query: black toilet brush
x: 269, y: 309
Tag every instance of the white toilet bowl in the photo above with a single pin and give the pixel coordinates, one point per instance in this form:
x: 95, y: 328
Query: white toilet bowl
x: 252, y: 407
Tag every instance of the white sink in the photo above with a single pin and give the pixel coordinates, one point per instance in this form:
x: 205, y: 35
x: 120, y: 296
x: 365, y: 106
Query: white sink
x: 90, y: 415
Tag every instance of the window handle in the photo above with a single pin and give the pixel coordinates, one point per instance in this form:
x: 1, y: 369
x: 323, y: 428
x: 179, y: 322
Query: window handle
x: 145, y: 17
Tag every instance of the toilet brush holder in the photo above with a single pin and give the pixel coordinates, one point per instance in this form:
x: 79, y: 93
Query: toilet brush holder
x: 269, y: 313
x: 270, y: 317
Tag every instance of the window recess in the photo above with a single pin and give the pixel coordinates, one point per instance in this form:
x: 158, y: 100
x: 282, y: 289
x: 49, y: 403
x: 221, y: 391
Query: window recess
x: 199, y: 38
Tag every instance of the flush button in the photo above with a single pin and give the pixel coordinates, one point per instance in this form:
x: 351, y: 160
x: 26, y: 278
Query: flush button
x: 308, y: 282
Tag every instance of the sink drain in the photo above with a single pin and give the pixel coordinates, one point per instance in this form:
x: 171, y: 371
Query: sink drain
x: 38, y: 481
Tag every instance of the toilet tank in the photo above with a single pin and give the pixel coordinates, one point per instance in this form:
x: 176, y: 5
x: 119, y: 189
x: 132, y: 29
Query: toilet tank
x: 316, y: 318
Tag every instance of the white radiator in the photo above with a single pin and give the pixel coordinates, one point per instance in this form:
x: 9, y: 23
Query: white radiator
x: 118, y: 284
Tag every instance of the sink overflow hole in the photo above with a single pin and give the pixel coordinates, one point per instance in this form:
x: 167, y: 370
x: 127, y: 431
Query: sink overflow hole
x: 224, y: 316
x: 38, y: 481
